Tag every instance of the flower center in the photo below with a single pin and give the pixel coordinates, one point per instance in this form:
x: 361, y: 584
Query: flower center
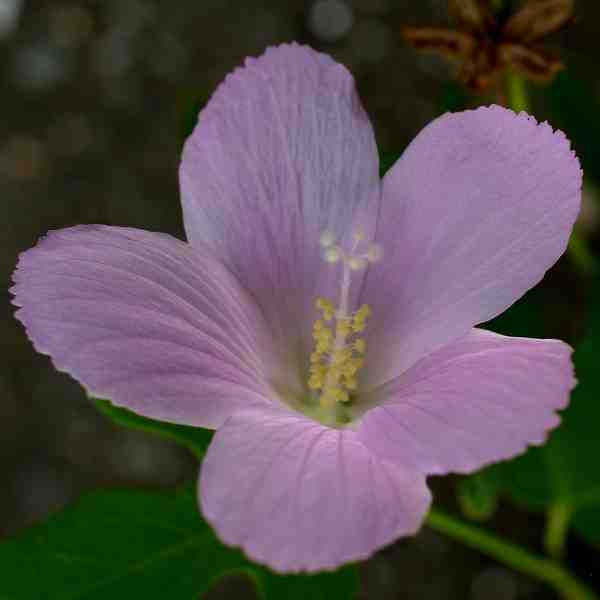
x: 339, y: 347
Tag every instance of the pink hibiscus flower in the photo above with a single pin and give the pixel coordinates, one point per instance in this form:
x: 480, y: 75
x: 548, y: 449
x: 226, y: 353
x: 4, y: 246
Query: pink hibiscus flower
x: 322, y: 320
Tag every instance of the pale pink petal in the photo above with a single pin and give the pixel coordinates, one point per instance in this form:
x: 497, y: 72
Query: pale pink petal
x: 298, y: 496
x: 146, y: 321
x: 480, y: 205
x: 282, y: 152
x: 478, y: 400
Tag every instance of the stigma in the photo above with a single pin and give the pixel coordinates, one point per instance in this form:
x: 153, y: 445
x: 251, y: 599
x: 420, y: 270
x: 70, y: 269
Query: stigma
x: 340, y: 347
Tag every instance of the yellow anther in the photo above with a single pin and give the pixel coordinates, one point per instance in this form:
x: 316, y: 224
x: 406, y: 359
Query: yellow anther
x: 323, y: 346
x: 341, y: 356
x: 327, y: 399
x: 315, y: 357
x: 350, y: 383
x: 352, y: 366
x: 364, y: 312
x: 318, y: 368
x: 315, y: 382
x: 360, y: 346
x: 319, y: 324
x: 324, y: 304
x: 358, y: 326
x: 335, y: 372
x: 350, y: 370
x: 323, y: 334
x: 344, y: 328
x: 341, y: 395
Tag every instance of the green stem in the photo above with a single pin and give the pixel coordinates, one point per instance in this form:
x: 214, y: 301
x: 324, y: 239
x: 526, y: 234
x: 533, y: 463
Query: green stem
x: 557, y: 526
x: 516, y: 93
x: 581, y: 254
x: 544, y: 570
x: 518, y: 99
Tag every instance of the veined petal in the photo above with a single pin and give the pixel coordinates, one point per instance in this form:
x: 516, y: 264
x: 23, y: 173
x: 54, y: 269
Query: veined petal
x: 480, y: 205
x: 478, y: 400
x: 146, y: 321
x: 282, y: 152
x: 299, y: 496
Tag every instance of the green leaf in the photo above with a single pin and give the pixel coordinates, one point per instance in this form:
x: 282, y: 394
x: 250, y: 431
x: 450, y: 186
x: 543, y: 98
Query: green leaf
x: 195, y: 439
x: 139, y: 544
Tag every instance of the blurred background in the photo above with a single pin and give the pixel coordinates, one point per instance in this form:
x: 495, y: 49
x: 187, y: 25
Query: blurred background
x: 97, y: 97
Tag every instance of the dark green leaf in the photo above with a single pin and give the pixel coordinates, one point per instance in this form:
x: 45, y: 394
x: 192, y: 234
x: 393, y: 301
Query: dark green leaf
x: 138, y: 544
x: 194, y: 438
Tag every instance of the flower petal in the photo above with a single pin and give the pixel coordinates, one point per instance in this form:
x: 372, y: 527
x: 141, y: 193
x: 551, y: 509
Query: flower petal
x: 146, y: 321
x: 298, y: 496
x: 480, y: 205
x: 478, y: 400
x: 282, y: 152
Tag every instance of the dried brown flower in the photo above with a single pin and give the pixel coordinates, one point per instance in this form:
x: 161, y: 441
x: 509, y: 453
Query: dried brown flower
x: 486, y: 44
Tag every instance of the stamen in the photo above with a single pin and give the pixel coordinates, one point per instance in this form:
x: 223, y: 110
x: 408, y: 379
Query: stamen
x: 333, y: 254
x: 360, y: 346
x: 343, y: 328
x: 327, y: 307
x: 339, y: 350
x: 357, y: 263
x: 327, y: 239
